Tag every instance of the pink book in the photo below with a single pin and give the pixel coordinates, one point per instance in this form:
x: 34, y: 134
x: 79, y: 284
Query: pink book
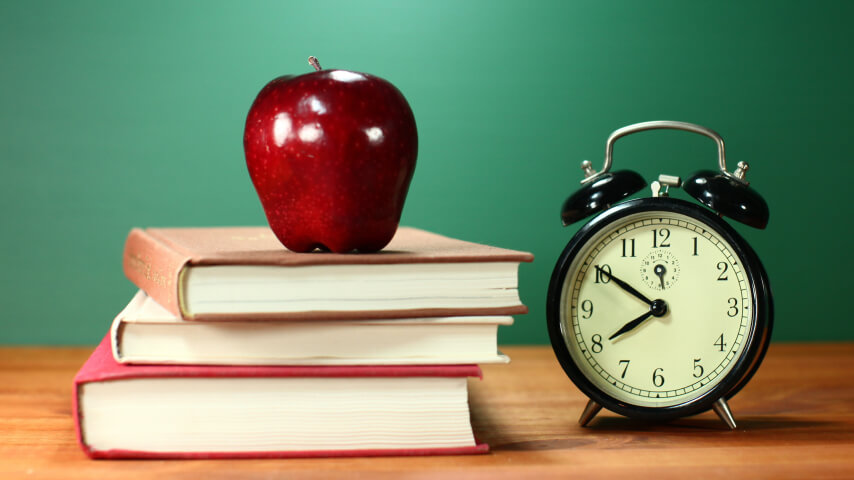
x: 244, y: 273
x: 158, y: 411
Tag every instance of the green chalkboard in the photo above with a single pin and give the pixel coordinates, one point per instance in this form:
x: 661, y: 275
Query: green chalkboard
x: 121, y: 114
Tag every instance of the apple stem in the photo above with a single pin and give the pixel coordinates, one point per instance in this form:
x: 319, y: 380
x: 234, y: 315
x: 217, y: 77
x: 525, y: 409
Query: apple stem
x: 314, y: 63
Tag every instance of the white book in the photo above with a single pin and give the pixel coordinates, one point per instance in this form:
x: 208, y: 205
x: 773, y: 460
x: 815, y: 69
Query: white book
x: 146, y: 333
x: 200, y: 411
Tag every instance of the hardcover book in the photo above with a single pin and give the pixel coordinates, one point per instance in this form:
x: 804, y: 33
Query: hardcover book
x: 227, y: 412
x: 146, y: 333
x: 244, y: 273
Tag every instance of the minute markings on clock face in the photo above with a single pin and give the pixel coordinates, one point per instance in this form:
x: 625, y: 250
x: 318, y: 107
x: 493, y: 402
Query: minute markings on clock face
x: 665, y: 359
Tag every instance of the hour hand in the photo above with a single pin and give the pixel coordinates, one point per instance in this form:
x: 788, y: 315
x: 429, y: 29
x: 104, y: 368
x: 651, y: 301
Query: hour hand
x: 625, y: 286
x: 658, y: 308
x: 631, y: 325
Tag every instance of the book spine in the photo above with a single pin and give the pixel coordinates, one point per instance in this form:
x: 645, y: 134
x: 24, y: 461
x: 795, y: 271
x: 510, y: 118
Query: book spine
x: 155, y: 268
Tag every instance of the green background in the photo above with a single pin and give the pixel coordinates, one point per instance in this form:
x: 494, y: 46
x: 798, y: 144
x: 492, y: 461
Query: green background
x: 122, y: 114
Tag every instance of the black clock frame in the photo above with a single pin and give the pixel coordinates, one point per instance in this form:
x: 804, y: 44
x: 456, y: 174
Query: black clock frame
x: 757, y: 338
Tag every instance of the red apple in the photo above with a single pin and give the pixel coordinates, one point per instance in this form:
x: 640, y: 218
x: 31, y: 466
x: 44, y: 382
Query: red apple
x: 331, y: 154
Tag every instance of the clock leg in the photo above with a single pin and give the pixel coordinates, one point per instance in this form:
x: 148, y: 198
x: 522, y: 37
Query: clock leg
x: 589, y: 412
x: 723, y: 411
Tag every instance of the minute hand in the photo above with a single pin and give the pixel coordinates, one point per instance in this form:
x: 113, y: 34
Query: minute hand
x: 625, y: 286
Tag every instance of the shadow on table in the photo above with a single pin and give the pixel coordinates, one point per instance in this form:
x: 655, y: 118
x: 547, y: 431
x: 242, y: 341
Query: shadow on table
x: 620, y: 432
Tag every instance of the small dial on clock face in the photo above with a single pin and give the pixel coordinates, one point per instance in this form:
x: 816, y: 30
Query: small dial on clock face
x: 659, y: 269
x: 656, y: 308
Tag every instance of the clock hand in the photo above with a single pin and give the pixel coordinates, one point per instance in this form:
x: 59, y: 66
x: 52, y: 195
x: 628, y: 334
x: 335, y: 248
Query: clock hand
x: 625, y: 286
x: 631, y: 325
x: 660, y: 271
x: 658, y: 308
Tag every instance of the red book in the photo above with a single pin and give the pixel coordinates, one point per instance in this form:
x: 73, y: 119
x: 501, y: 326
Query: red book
x: 255, y: 412
x: 244, y: 273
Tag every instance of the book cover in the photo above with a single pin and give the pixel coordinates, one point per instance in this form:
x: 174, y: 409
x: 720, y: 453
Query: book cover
x: 419, y: 274
x: 199, y: 387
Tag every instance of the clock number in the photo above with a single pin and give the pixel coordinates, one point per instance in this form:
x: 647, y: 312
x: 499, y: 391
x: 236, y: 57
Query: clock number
x: 664, y: 233
x: 587, y: 307
x: 720, y: 343
x: 658, y: 378
x: 733, y: 307
x: 625, y: 364
x: 695, y: 246
x: 697, y: 373
x: 723, y: 267
x: 629, y: 252
x: 597, y: 343
x: 600, y: 277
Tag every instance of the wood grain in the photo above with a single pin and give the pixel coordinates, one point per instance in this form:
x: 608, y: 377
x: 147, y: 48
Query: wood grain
x: 796, y: 420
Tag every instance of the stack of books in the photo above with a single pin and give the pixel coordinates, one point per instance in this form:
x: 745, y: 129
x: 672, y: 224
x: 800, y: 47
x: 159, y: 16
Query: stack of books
x: 237, y: 347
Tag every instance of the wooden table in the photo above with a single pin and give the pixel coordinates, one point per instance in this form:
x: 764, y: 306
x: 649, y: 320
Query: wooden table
x: 796, y: 420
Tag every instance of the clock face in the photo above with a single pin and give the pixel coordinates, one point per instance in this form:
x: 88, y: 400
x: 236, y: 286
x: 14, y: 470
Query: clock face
x: 656, y: 308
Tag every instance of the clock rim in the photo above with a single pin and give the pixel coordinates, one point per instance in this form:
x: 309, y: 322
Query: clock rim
x: 757, y: 339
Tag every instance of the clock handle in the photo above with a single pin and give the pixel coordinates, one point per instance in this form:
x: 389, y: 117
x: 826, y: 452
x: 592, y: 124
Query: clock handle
x: 592, y: 175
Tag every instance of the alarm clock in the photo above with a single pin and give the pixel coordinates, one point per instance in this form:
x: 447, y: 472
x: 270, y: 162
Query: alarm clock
x: 657, y: 308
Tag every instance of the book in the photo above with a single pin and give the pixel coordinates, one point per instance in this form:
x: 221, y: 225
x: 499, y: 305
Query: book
x: 146, y: 333
x: 172, y: 411
x: 244, y: 273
